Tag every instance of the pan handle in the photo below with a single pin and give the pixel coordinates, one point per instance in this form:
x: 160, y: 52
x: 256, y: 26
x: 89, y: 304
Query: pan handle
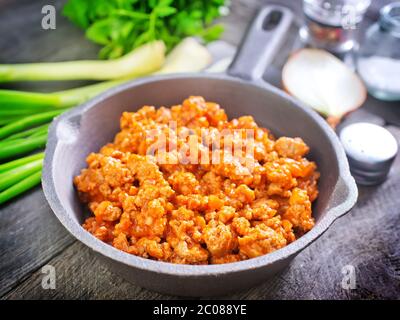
x: 263, y: 39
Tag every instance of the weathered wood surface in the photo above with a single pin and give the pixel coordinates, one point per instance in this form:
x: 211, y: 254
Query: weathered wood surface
x: 367, y: 238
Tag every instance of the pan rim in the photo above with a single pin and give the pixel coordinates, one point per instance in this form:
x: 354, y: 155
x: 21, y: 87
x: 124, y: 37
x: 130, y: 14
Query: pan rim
x: 345, y: 181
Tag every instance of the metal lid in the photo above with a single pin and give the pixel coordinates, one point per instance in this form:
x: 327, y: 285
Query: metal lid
x: 370, y: 149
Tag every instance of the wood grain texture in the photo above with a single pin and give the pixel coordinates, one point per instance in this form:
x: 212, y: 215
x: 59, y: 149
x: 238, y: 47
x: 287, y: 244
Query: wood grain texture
x: 367, y: 238
x: 80, y: 275
x: 30, y: 235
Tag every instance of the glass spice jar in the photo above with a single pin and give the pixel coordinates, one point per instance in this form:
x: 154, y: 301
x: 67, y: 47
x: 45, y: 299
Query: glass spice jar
x: 378, y: 60
x: 332, y: 24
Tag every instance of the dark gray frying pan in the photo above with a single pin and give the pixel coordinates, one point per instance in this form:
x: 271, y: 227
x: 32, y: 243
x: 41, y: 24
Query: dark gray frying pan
x: 86, y: 128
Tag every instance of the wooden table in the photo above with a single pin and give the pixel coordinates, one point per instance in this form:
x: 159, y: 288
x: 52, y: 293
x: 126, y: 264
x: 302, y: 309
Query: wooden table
x: 31, y: 237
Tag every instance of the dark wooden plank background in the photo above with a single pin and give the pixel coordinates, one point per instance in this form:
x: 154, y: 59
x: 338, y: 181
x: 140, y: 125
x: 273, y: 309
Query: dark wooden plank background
x: 367, y: 238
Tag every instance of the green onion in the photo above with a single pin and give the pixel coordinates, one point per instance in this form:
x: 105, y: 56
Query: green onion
x: 28, y: 122
x: 73, y: 97
x: 188, y: 56
x: 21, y: 187
x: 16, y: 112
x: 19, y: 162
x: 32, y: 102
x: 141, y: 61
x: 25, y: 100
x: 15, y: 175
x: 8, y: 119
x: 21, y: 146
x: 40, y: 130
x: 5, y: 143
x: 28, y: 133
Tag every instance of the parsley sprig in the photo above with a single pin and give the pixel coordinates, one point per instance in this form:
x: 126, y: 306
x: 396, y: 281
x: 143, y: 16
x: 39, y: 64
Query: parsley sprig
x: 122, y: 25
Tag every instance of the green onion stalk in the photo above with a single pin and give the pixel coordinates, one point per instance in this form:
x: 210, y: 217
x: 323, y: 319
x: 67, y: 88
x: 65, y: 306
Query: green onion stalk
x: 188, y: 56
x: 15, y: 175
x: 28, y: 122
x: 141, y: 61
x: 20, y: 175
x: 20, y: 162
x: 29, y: 133
x: 21, y: 186
x: 16, y: 104
x: 13, y: 148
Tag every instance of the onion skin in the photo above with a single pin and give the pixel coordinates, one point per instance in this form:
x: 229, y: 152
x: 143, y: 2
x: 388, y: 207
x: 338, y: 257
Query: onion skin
x: 332, y: 118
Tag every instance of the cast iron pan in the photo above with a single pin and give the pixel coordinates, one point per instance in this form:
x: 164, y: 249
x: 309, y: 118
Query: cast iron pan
x: 86, y: 128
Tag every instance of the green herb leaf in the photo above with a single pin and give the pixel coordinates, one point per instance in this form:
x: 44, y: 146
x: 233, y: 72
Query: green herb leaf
x: 122, y: 25
x: 165, y: 11
x: 213, y: 33
x: 76, y: 11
